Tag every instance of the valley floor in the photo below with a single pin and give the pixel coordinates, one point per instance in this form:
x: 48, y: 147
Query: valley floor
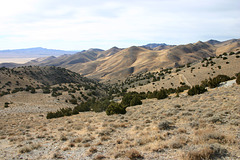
x: 198, y: 127
x: 16, y: 60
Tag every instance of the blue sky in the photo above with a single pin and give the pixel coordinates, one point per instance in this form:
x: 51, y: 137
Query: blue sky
x: 78, y: 24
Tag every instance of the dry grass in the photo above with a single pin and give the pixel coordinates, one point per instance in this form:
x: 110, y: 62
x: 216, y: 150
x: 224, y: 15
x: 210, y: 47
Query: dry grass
x: 154, y: 129
x: 25, y: 149
x: 211, y: 136
x: 93, y: 150
x: 99, y: 157
x: 133, y: 154
x: 204, y: 152
x: 29, y: 148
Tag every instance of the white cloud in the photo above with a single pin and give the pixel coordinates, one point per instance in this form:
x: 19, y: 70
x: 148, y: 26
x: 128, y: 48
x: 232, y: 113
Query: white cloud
x: 78, y: 24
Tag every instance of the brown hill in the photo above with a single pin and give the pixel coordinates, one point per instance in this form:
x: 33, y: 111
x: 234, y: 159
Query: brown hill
x: 81, y: 57
x: 191, y: 74
x: 134, y: 60
x: 109, y: 52
x: 163, y: 47
x: 184, y: 54
x: 123, y: 63
x: 228, y: 46
x: 117, y: 63
x: 138, y: 59
x: 36, y: 77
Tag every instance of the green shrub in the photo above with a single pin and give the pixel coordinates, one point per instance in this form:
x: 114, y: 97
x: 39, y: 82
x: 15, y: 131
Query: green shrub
x: 101, y: 105
x: 151, y: 94
x: 46, y: 90
x: 60, y: 113
x: 212, y: 83
x: 127, y: 99
x: 55, y: 93
x: 73, y: 101
x: 196, y: 90
x: 17, y: 90
x: 238, y: 79
x: 182, y: 88
x: 50, y: 115
x: 6, y: 104
x: 115, y: 108
x: 162, y: 94
x: 132, y: 98
x: 33, y: 90
x: 83, y: 107
x: 135, y: 101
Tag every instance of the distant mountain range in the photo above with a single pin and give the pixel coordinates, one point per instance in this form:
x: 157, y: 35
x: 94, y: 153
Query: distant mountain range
x: 32, y: 53
x: 121, y: 62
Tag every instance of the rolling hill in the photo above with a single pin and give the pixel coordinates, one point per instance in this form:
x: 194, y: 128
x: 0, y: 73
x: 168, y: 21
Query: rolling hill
x: 117, y: 63
x: 190, y: 74
x: 181, y: 126
x: 37, y: 77
x: 135, y: 59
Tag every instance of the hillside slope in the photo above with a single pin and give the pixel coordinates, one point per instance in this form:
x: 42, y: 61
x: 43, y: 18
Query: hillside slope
x: 138, y: 59
x: 191, y: 74
x: 38, y: 77
x: 134, y: 60
x: 185, y: 127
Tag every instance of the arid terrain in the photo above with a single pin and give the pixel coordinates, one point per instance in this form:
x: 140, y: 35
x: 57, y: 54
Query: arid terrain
x: 16, y: 60
x: 189, y: 74
x: 189, y: 96
x: 118, y: 63
x: 186, y: 127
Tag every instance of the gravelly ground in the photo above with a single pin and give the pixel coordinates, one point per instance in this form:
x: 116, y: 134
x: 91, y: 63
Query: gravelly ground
x: 194, y: 124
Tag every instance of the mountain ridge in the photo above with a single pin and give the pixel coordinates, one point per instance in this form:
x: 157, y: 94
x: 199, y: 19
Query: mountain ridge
x: 35, y: 52
x: 121, y: 62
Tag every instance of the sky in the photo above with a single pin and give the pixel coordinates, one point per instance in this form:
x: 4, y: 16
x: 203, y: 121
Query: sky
x: 84, y: 24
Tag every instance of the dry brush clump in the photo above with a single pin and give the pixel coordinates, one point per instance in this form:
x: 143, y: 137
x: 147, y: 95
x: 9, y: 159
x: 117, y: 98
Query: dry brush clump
x: 29, y: 148
x: 133, y: 154
x: 99, y: 157
x: 165, y: 125
x: 205, y: 152
x: 210, y: 136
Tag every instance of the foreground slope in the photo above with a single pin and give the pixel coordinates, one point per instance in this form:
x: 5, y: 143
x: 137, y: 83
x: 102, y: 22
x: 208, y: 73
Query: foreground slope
x: 186, y: 127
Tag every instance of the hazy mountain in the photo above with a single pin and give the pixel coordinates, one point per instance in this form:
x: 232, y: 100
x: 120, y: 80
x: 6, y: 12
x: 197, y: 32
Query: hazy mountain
x: 9, y: 65
x: 154, y: 45
x: 213, y: 42
x: 67, y: 60
x: 32, y: 53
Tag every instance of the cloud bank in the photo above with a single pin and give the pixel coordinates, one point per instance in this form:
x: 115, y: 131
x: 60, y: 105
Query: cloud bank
x: 78, y: 24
